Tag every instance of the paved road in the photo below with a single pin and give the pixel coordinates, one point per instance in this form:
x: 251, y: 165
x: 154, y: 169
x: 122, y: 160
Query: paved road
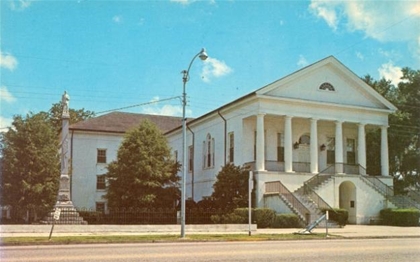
x: 370, y: 250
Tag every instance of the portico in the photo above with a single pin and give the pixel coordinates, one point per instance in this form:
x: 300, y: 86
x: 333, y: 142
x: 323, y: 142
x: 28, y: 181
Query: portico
x: 304, y: 146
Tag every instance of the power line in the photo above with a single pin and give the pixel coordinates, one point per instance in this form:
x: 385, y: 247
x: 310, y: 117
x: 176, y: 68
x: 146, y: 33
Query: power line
x: 142, y: 104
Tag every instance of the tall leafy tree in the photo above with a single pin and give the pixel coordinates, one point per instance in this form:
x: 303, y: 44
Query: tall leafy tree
x: 76, y: 115
x: 404, y: 129
x: 143, y: 175
x: 30, y: 170
x: 231, y: 187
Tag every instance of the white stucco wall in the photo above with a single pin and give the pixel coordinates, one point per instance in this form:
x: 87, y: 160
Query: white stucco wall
x: 85, y: 167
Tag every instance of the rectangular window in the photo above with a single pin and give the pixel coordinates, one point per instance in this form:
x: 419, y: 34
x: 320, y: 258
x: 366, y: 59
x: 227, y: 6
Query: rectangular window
x: 100, y: 207
x: 101, y: 156
x: 331, y: 150
x: 280, y: 147
x: 351, y: 152
x: 100, y: 182
x: 231, y: 147
x: 176, y: 155
x: 190, y: 158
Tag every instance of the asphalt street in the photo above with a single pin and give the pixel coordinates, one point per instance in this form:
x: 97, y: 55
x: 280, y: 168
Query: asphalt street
x: 370, y: 250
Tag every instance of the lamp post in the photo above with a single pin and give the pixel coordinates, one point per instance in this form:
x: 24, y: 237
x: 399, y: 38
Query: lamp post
x: 203, y: 56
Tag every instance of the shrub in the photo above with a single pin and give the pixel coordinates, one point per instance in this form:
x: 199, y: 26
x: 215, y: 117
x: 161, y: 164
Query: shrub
x: 400, y: 217
x: 338, y: 215
x: 286, y: 221
x: 263, y: 217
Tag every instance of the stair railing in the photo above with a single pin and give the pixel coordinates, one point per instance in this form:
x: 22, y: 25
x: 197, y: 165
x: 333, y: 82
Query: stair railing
x: 383, y: 188
x: 278, y: 187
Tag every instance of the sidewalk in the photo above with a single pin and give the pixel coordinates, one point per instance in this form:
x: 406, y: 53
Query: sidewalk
x: 349, y: 231
x: 357, y: 231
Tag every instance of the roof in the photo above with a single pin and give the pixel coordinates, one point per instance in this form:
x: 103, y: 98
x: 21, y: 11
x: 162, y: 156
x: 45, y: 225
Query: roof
x: 328, y: 60
x: 120, y: 122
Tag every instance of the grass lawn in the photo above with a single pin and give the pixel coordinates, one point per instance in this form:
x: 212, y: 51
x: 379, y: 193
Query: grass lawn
x: 64, y: 240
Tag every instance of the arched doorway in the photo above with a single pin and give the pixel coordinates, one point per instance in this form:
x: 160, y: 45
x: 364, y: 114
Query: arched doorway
x: 347, y: 198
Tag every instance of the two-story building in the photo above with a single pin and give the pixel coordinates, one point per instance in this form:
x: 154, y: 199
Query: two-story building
x: 303, y: 136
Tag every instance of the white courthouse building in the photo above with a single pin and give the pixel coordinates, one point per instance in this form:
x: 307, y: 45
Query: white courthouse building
x: 304, y: 137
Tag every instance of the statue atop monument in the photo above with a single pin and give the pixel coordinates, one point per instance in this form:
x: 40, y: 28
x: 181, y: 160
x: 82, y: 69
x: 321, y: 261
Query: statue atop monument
x: 65, y: 100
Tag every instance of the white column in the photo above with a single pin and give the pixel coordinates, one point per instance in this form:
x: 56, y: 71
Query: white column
x: 260, y: 157
x: 361, y: 145
x: 384, y: 151
x: 288, y: 145
x: 339, y: 147
x: 314, y: 146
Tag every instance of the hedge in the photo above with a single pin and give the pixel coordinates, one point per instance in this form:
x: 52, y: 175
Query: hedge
x: 287, y: 221
x: 338, y: 215
x: 263, y: 217
x: 400, y: 217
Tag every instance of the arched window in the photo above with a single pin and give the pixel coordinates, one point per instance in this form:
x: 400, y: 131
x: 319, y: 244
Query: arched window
x: 305, y: 140
x: 208, y: 157
x: 326, y: 86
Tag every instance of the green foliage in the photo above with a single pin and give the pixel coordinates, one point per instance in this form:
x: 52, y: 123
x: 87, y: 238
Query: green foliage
x: 286, y: 221
x: 143, y: 175
x: 231, y: 187
x: 263, y: 217
x: 403, y: 132
x: 30, y: 166
x: 76, y: 115
x: 400, y: 217
x: 338, y: 215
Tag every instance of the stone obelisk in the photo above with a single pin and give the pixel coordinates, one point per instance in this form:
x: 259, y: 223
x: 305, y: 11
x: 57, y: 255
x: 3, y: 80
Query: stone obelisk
x: 68, y: 214
x: 64, y: 197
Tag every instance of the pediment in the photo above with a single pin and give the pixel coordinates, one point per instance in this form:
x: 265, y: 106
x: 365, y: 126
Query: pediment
x: 327, y: 81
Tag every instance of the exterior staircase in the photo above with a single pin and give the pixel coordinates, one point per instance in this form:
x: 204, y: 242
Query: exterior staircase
x: 400, y: 201
x: 303, y: 202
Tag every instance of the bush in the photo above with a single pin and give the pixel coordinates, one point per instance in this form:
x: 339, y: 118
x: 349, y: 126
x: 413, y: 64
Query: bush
x: 400, y: 217
x: 338, y: 215
x: 263, y: 217
x: 286, y: 221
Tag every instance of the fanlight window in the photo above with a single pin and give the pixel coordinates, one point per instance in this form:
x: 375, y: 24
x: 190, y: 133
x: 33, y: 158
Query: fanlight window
x: 327, y: 86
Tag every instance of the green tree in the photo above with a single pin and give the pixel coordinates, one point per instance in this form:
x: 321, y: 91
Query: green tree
x: 76, y: 115
x: 30, y: 171
x: 231, y: 187
x: 143, y: 175
x: 404, y: 129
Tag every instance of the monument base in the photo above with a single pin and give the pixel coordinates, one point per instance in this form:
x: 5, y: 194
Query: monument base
x: 68, y: 215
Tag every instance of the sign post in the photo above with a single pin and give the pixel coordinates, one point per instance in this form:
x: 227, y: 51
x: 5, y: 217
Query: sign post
x: 326, y: 222
x: 56, y: 217
x: 250, y: 187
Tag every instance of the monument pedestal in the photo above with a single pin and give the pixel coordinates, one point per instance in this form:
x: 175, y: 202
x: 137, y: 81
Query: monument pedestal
x: 68, y: 214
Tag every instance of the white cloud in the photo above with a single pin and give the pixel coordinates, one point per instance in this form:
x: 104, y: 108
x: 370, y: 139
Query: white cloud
x: 325, y: 11
x: 19, y: 5
x: 183, y: 2
x: 6, y: 96
x: 166, y: 110
x: 360, y: 56
x: 381, y: 20
x: 8, y: 61
x: 302, y: 62
x: 4, y: 123
x: 214, y: 68
x: 390, y: 72
x: 117, y: 19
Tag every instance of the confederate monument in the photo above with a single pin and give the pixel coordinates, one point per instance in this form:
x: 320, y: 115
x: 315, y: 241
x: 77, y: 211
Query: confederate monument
x: 68, y: 214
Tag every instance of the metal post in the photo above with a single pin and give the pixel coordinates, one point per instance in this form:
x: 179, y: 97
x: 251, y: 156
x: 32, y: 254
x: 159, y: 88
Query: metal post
x: 184, y: 154
x: 203, y: 56
x: 250, y: 187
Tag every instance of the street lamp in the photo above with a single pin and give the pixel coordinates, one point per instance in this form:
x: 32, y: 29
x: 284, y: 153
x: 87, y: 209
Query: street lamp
x: 203, y: 56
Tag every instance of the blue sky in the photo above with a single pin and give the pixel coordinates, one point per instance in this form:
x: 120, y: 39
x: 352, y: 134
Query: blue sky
x: 114, y: 54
